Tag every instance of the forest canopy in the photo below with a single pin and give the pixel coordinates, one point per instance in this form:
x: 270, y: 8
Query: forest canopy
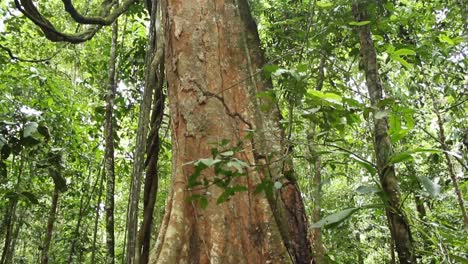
x: 236, y: 131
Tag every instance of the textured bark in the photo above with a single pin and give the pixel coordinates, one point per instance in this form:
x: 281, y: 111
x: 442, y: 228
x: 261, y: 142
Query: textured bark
x: 316, y: 233
x: 453, y: 177
x: 50, y: 227
x: 109, y: 151
x: 142, y: 138
x: 316, y: 237
x: 151, y: 180
x: 14, y: 240
x: 156, y: 81
x: 212, y: 64
x: 398, y: 223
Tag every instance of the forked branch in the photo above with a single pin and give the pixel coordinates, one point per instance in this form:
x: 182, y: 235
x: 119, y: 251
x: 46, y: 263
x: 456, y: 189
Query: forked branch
x: 28, y: 8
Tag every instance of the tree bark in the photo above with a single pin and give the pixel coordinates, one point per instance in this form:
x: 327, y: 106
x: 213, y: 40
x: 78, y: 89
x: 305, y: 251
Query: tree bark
x: 50, y: 227
x: 109, y: 151
x: 453, y: 177
x: 398, y: 223
x: 14, y: 240
x: 96, y: 219
x: 142, y: 136
x: 83, y: 208
x: 213, y: 58
x: 10, y: 220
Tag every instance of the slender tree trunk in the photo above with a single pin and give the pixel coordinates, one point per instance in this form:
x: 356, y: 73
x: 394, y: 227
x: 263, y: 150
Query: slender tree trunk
x: 317, y: 245
x: 50, y: 227
x: 10, y: 217
x: 152, y: 156
x: 316, y: 233
x: 212, y: 61
x: 155, y: 81
x: 10, y: 220
x: 11, y: 252
x: 398, y: 223
x: 96, y: 219
x: 142, y: 136
x: 453, y: 177
x: 109, y: 152
x: 83, y: 208
x: 151, y: 180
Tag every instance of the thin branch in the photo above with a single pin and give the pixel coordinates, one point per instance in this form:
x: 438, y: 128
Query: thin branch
x: 349, y: 152
x: 16, y: 58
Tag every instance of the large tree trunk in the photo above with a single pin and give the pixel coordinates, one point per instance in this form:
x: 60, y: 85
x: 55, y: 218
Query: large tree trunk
x: 213, y: 58
x: 398, y: 224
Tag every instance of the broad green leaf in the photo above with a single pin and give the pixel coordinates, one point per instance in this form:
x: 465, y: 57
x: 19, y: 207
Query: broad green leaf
x: 30, y: 129
x: 324, y: 4
x: 446, y: 39
x: 335, y: 218
x: 400, y: 157
x: 330, y: 97
x: 403, y: 52
x: 431, y: 187
x: 402, y: 61
x: 359, y: 23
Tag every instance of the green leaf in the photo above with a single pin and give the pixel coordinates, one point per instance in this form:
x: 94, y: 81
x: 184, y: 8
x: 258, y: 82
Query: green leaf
x: 324, y: 4
x: 31, y: 197
x: 459, y: 259
x: 227, y: 153
x: 446, y: 39
x: 431, y: 187
x: 30, y: 129
x: 404, y: 52
x: 201, y: 199
x: 59, y: 180
x: 330, y: 97
x: 365, y: 164
x: 270, y: 69
x: 209, y: 162
x: 381, y: 114
x: 335, y: 218
x: 229, y: 192
x: 239, y: 165
x: 400, y: 157
x: 402, y: 61
x: 359, y: 23
x: 3, y: 142
x: 368, y: 189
